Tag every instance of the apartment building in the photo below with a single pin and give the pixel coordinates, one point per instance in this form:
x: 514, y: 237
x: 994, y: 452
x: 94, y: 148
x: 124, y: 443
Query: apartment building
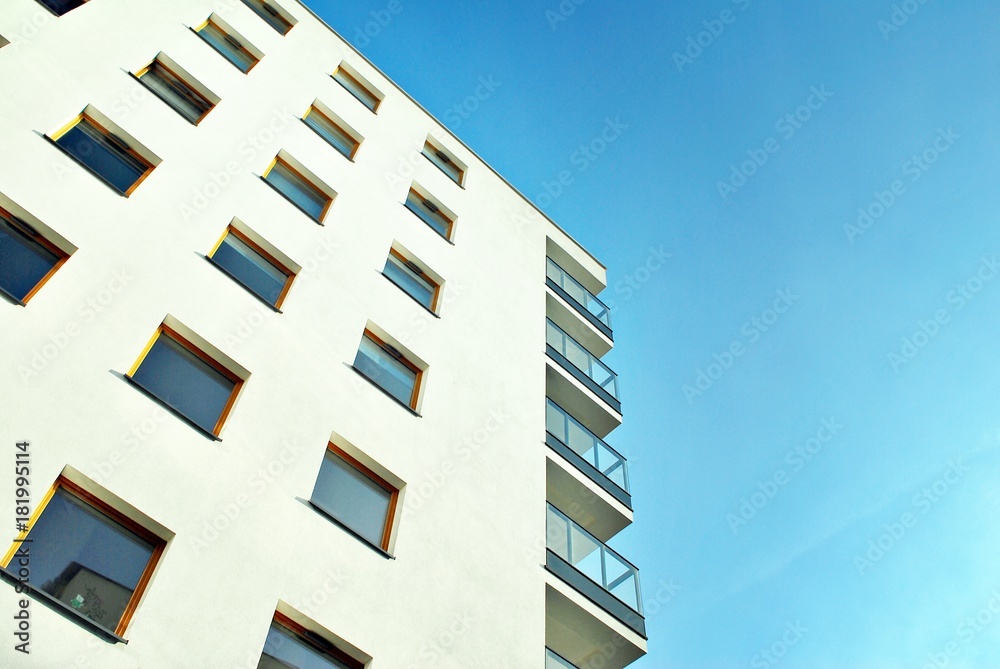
x: 292, y: 378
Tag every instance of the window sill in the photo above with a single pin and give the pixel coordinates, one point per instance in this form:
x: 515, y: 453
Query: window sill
x: 293, y: 202
x: 420, y: 218
x: 422, y: 305
x: 385, y: 392
x: 232, y: 276
x: 378, y: 549
x: 150, y: 394
x: 61, y: 608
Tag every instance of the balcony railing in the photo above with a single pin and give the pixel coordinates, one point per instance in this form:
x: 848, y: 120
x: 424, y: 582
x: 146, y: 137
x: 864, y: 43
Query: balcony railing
x: 553, y: 661
x: 596, y: 374
x: 571, y: 433
x: 582, y: 299
x: 589, y: 557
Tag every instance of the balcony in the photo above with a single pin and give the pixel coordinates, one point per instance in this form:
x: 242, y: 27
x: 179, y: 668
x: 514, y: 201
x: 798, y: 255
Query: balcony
x: 554, y: 661
x: 600, y: 574
x: 577, y: 310
x: 581, y: 383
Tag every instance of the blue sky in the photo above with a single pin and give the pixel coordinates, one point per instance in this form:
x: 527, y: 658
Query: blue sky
x: 862, y: 405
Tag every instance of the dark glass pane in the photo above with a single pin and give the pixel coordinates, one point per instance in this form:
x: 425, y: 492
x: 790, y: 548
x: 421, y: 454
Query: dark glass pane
x: 85, y: 559
x: 90, y: 146
x: 284, y: 649
x: 352, y: 498
x: 446, y: 165
x: 355, y: 88
x: 184, y: 382
x: 331, y: 133
x: 60, y: 7
x: 272, y: 17
x: 297, y: 189
x: 235, y: 55
x: 251, y: 268
x: 172, y: 90
x: 410, y: 281
x: 388, y: 373
x: 23, y: 261
x: 435, y: 219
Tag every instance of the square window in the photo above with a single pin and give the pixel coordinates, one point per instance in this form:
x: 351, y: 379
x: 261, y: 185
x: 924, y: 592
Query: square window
x: 414, y: 281
x: 298, y: 189
x: 60, y: 7
x: 332, y: 132
x: 105, y: 154
x: 445, y: 162
x: 289, y: 644
x: 252, y: 266
x: 356, y: 497
x: 271, y: 14
x: 227, y: 44
x: 170, y: 85
x: 430, y: 213
x: 27, y: 259
x: 386, y: 367
x: 356, y: 87
x: 89, y: 556
x: 186, y: 379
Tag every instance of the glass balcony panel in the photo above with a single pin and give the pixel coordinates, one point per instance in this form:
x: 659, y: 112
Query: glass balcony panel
x: 588, y: 446
x: 553, y: 661
x: 581, y: 358
x: 575, y: 290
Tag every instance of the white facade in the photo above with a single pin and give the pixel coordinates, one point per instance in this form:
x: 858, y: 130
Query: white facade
x: 465, y: 585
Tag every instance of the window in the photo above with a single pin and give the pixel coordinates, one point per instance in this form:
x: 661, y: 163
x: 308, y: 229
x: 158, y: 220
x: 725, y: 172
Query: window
x: 298, y: 189
x: 27, y: 259
x: 386, y: 367
x: 186, y: 379
x: 354, y: 84
x: 414, y: 281
x: 60, y: 7
x: 332, y: 131
x: 175, y: 87
x: 445, y: 162
x: 231, y: 47
x: 3, y: 41
x: 355, y: 497
x: 289, y: 644
x: 251, y: 265
x: 430, y: 213
x: 89, y: 556
x: 273, y: 16
x: 104, y: 153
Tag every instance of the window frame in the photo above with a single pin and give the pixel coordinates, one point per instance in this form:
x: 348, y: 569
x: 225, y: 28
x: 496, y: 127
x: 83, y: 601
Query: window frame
x: 415, y: 268
x: 99, y: 505
x: 185, y: 342
x: 16, y: 223
x: 339, y: 125
x: 279, y: 13
x: 307, y: 635
x: 309, y: 181
x: 400, y: 357
x: 265, y: 254
x: 357, y: 79
x: 184, y: 79
x: 426, y: 200
x: 447, y: 158
x: 233, y: 40
x: 120, y: 144
x: 390, y: 515
x: 54, y: 13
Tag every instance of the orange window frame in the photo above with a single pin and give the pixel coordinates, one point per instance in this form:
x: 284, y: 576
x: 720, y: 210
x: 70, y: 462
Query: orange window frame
x: 306, y: 180
x: 314, y: 110
x: 347, y: 75
x: 80, y: 118
x: 406, y: 363
x: 423, y: 275
x: 390, y: 515
x: 187, y: 85
x: 289, y: 274
x: 37, y: 237
x: 158, y: 542
x: 193, y: 348
x: 308, y: 635
x: 239, y: 43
